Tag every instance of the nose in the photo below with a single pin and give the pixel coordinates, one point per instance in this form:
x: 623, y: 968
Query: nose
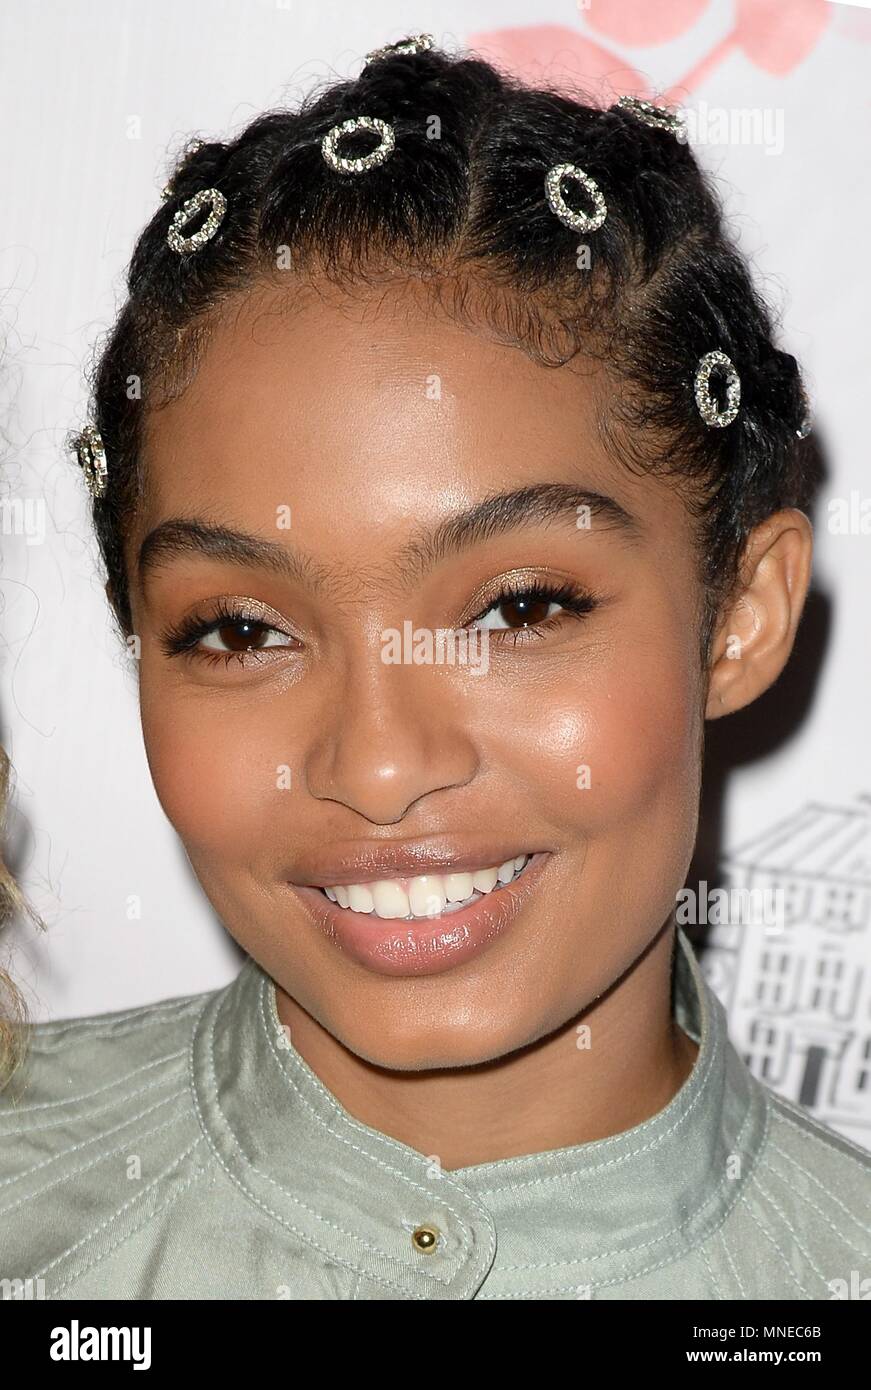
x: 392, y: 735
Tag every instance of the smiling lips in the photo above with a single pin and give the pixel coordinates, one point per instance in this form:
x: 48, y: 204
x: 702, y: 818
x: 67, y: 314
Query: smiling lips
x: 425, y: 895
x: 411, y: 926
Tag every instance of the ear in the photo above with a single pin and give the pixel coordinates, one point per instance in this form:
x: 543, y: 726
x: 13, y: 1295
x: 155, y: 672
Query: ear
x: 757, y: 630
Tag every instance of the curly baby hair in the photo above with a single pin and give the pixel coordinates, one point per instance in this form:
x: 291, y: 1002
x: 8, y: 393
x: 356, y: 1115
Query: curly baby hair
x: 461, y: 207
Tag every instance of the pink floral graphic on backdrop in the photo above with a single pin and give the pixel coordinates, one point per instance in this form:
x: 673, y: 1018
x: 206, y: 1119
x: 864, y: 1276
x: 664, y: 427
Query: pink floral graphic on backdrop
x: 774, y: 36
x: 637, y: 23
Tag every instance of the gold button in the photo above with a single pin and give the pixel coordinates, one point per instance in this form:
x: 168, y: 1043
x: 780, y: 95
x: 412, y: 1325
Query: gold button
x: 425, y: 1239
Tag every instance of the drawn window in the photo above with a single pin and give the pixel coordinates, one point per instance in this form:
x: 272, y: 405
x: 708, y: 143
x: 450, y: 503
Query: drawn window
x: 774, y: 978
x: 845, y: 905
x: 833, y: 986
x: 767, y: 1051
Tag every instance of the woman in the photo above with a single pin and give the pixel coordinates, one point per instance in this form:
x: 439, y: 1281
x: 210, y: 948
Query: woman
x: 447, y: 478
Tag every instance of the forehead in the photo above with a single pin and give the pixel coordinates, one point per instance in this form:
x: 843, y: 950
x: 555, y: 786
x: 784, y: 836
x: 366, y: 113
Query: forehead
x: 379, y: 405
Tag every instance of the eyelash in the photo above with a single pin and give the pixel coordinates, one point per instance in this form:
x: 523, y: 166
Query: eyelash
x: 577, y: 602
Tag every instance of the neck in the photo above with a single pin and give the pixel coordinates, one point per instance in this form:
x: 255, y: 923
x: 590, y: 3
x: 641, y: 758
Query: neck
x: 548, y: 1095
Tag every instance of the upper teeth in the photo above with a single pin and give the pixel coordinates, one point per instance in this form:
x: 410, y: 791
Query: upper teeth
x: 428, y: 895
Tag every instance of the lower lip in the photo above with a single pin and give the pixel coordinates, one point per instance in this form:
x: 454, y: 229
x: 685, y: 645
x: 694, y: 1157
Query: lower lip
x: 430, y: 945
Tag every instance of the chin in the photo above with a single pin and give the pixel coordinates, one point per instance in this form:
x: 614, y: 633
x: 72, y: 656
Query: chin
x: 416, y: 1044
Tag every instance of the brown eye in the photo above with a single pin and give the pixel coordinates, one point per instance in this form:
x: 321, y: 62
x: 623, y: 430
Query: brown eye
x: 241, y: 636
x: 525, y: 610
x: 535, y: 608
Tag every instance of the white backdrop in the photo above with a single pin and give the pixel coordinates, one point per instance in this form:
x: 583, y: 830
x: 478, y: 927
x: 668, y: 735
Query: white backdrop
x: 95, y: 97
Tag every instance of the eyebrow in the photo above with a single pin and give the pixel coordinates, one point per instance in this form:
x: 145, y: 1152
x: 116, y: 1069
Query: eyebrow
x: 536, y: 503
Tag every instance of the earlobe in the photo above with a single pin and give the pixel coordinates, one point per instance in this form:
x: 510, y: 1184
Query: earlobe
x: 757, y: 631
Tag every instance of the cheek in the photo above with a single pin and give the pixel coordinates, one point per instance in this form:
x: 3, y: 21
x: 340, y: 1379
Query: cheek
x: 611, y: 761
x: 217, y: 771
x: 606, y: 745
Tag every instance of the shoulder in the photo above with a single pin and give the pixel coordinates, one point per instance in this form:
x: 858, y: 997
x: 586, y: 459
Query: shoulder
x: 806, y: 1206
x: 98, y: 1107
x: 68, y: 1061
x: 817, y: 1153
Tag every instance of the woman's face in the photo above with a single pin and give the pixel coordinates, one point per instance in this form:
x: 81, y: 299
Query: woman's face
x: 353, y: 444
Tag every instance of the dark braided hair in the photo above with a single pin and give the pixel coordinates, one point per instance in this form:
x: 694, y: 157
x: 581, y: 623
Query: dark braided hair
x: 460, y: 205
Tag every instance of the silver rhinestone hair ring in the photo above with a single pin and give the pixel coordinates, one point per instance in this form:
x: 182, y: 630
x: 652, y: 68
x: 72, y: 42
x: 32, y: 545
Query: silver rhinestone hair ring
x: 578, y: 221
x: 371, y: 160
x: 417, y: 43
x: 207, y: 197
x: 91, y: 458
x: 659, y: 117
x: 710, y: 412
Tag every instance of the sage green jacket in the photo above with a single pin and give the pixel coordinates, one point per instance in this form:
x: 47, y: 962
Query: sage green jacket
x: 185, y: 1150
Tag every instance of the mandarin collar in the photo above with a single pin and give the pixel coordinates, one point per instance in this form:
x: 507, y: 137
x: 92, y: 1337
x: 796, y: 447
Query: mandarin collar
x: 557, y: 1221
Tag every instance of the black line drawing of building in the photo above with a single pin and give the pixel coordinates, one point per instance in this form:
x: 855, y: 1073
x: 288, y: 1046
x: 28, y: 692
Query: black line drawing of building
x: 798, y: 993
